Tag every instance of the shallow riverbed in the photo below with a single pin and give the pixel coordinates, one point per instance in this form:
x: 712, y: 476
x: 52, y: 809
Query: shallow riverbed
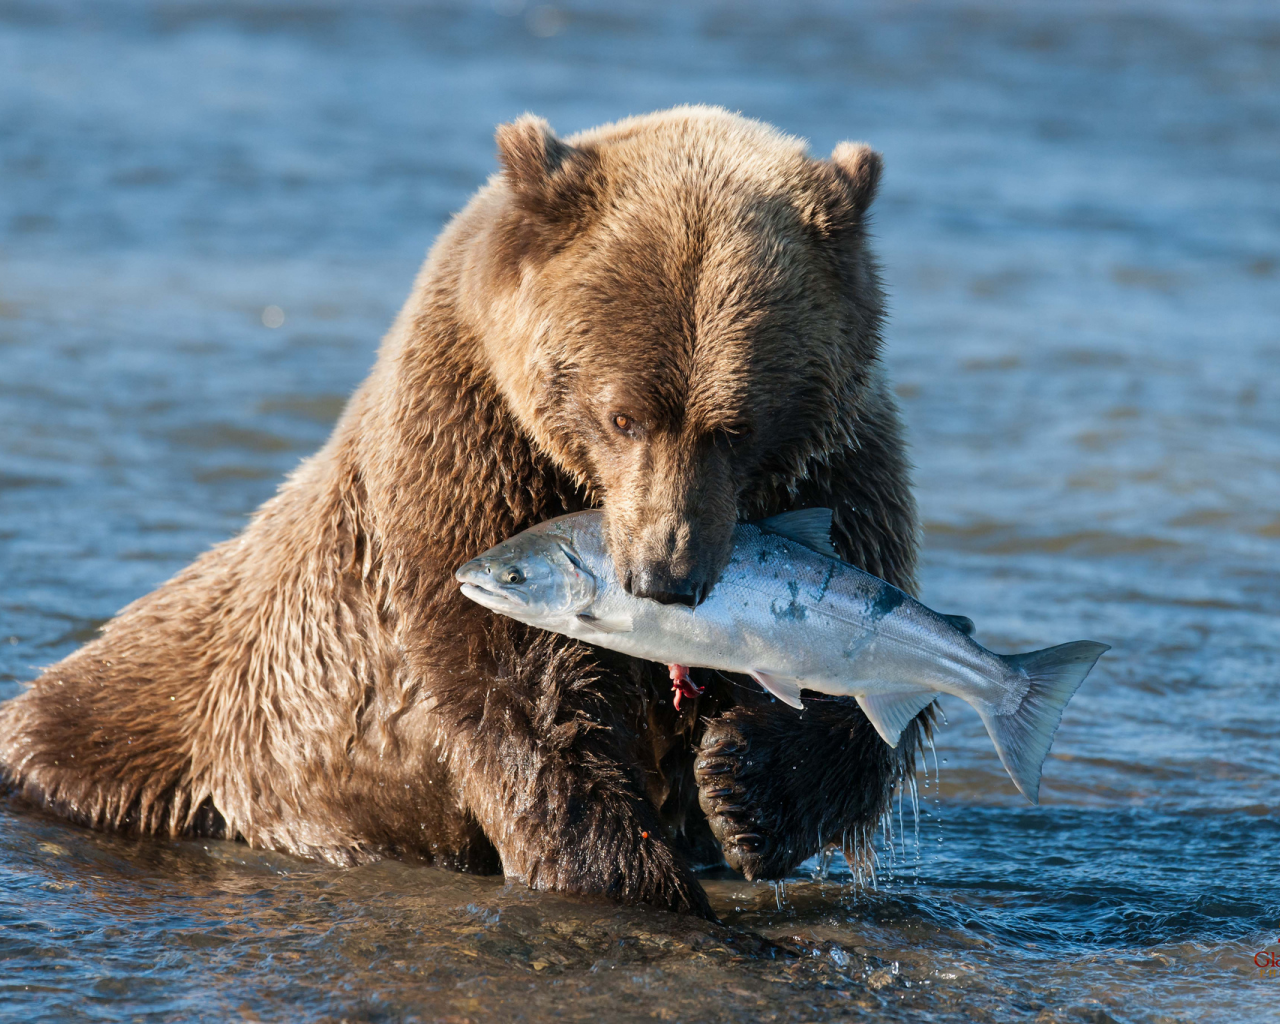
x: 1082, y: 245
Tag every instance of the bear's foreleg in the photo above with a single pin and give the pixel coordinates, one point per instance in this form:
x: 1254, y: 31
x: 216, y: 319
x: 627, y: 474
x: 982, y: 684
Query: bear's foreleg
x: 779, y: 786
x: 543, y: 761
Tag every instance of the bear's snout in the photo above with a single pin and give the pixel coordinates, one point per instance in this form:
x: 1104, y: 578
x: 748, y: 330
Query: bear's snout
x: 674, y: 562
x: 657, y: 584
x: 670, y: 521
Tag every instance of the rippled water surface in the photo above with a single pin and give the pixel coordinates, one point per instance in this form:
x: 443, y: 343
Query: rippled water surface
x: 1082, y: 240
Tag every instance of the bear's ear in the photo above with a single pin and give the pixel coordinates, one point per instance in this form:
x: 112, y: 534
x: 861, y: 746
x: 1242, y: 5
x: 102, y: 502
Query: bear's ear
x: 530, y: 152
x: 857, y: 167
x: 547, y: 175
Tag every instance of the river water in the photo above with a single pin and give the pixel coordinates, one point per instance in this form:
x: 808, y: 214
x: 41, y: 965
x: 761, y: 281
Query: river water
x: 1082, y: 241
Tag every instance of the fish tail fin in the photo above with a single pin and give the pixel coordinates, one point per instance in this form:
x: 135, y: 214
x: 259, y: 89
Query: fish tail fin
x: 1022, y: 738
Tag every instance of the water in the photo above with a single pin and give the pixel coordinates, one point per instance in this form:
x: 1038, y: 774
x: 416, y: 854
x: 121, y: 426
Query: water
x: 1083, y: 248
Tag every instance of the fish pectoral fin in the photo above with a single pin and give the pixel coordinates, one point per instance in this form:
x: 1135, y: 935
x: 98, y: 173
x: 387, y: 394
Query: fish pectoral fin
x: 890, y: 713
x: 786, y: 690
x: 809, y: 526
x: 621, y: 624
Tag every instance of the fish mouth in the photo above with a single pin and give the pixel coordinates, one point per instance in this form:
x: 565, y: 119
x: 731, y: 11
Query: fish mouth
x: 492, y: 598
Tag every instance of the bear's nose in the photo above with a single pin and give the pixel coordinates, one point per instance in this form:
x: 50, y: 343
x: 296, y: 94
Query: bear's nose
x: 664, y: 588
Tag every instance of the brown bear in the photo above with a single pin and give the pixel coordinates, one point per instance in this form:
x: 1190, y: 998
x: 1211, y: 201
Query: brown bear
x: 675, y: 318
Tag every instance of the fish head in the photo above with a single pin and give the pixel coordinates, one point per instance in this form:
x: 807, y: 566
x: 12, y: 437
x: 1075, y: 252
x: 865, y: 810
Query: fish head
x: 536, y: 577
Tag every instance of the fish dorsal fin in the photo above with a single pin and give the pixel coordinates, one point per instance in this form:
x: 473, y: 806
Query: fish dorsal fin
x: 809, y: 526
x: 961, y: 622
x: 786, y: 690
x: 890, y: 713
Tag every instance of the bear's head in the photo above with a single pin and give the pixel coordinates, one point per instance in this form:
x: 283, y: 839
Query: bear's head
x: 682, y: 311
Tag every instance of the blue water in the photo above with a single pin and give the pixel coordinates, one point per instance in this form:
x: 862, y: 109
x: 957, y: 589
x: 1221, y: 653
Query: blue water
x: 1082, y: 244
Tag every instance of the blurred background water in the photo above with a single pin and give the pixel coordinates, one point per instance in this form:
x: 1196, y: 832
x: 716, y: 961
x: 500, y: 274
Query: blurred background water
x: 210, y: 211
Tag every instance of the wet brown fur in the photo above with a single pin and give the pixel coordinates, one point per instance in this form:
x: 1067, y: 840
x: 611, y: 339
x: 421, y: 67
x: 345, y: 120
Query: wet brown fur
x: 317, y: 685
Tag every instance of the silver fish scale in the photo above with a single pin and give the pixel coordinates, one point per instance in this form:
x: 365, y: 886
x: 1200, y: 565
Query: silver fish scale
x: 786, y: 610
x: 831, y: 624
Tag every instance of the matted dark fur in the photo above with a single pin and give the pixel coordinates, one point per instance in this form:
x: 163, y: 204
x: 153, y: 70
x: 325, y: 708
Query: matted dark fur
x: 675, y: 317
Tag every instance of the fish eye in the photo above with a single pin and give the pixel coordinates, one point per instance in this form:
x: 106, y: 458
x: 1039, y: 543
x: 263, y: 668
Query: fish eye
x: 513, y: 575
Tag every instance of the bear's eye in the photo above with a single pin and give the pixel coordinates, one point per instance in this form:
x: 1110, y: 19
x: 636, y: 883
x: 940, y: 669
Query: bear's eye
x: 512, y: 575
x: 729, y: 437
x: 624, y: 422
